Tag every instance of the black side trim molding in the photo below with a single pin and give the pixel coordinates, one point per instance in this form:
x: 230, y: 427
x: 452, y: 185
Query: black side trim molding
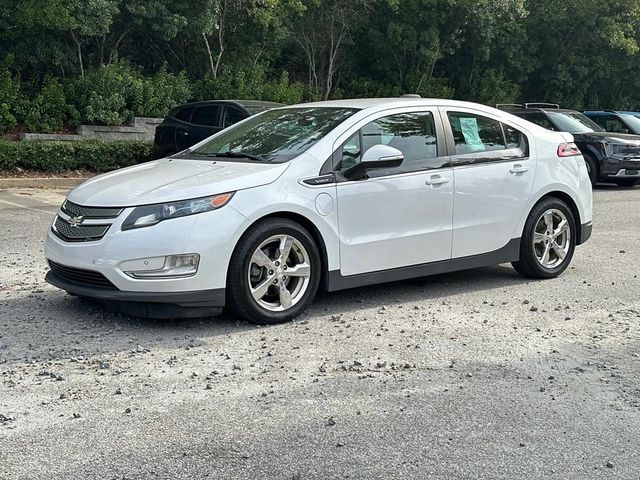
x: 509, y: 253
x: 585, y: 232
x: 199, y: 298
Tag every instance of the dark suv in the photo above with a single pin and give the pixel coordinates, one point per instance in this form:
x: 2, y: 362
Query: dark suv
x: 610, y: 157
x: 188, y: 124
x: 618, y: 122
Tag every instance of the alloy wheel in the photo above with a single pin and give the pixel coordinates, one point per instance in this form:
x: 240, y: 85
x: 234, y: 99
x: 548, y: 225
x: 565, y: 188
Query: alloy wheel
x: 551, y: 238
x: 279, y: 273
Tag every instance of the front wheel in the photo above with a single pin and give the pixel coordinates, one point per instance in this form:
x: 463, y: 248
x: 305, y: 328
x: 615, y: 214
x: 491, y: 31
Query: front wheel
x: 548, y: 240
x: 274, y: 272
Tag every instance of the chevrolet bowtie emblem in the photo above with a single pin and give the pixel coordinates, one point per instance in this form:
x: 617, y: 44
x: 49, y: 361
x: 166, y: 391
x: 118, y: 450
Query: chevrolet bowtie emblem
x: 76, y: 221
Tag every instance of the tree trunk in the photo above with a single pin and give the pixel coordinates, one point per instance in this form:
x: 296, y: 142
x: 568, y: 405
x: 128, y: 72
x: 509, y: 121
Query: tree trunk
x: 115, y: 48
x: 76, y: 39
x: 211, y: 64
x: 221, y: 26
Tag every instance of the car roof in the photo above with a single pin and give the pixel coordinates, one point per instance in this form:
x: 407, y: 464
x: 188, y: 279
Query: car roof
x: 539, y: 110
x: 605, y: 112
x: 241, y: 103
x: 364, y: 103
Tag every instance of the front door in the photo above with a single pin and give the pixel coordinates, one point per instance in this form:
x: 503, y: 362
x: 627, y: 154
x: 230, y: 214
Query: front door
x: 395, y: 217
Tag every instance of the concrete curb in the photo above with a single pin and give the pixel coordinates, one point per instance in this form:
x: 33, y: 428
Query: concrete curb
x: 51, y: 182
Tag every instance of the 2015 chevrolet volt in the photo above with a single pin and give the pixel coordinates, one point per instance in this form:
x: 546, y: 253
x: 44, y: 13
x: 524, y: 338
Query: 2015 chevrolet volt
x: 329, y: 195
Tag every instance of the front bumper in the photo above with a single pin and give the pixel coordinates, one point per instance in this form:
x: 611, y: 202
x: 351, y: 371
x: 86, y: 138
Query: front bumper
x: 201, y: 303
x: 621, y: 167
x: 626, y: 173
x: 211, y: 235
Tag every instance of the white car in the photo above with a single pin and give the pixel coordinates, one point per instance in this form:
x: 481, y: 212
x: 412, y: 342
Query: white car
x: 330, y: 195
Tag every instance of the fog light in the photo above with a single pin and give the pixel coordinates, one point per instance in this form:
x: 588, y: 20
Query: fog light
x: 175, y: 266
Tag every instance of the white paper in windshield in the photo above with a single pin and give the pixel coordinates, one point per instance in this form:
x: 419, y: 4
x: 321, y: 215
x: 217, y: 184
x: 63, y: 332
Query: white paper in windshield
x: 471, y: 133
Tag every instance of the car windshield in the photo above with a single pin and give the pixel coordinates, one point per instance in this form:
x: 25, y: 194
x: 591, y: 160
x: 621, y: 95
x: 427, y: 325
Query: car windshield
x: 632, y: 121
x: 574, y: 122
x: 275, y: 135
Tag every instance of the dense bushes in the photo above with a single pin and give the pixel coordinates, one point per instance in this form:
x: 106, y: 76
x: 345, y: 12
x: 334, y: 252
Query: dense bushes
x: 90, y: 155
x: 249, y: 83
x: 49, y: 111
x: 9, y: 98
x: 112, y: 94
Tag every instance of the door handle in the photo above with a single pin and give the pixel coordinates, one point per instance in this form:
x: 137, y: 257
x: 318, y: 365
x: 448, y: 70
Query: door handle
x: 437, y: 180
x: 519, y: 168
x: 186, y: 134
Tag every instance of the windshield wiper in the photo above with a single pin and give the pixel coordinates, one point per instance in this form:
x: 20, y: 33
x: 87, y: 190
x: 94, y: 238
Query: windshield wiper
x: 230, y: 154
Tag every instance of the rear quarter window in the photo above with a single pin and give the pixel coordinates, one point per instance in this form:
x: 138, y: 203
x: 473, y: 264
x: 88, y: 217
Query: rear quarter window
x: 182, y: 113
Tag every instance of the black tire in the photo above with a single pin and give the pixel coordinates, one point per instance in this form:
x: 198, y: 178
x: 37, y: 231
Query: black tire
x: 626, y: 182
x: 528, y: 265
x: 239, y: 297
x: 592, y: 169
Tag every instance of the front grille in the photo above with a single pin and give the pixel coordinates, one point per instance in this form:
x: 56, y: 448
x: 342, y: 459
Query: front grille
x: 74, y: 210
x: 80, y: 276
x: 79, y: 233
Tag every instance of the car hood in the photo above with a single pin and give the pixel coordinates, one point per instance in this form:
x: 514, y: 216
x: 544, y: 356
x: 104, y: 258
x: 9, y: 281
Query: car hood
x: 608, y: 137
x: 172, y: 179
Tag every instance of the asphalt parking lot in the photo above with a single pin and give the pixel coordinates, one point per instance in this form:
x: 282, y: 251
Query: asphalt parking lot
x: 479, y: 374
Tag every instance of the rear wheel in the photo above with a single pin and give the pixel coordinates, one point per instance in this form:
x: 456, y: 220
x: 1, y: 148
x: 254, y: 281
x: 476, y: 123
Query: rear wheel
x: 274, y: 272
x: 592, y: 169
x: 548, y: 240
x: 626, y: 182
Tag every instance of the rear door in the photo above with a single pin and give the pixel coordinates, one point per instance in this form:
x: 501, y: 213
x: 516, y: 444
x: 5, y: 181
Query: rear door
x: 493, y: 176
x: 232, y: 115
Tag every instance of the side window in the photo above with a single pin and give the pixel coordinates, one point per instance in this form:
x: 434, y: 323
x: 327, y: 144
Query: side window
x: 515, y: 139
x: 183, y: 114
x: 413, y: 134
x: 350, y: 153
x: 473, y: 133
x: 206, y: 115
x: 231, y: 116
x: 612, y: 124
x: 540, y: 119
x: 600, y: 120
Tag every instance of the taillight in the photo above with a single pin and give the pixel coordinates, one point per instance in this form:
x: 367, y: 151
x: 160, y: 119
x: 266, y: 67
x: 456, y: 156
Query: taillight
x: 568, y: 150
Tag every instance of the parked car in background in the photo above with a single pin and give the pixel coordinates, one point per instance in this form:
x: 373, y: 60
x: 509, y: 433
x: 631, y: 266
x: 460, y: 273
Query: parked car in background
x: 330, y: 195
x: 191, y: 123
x: 617, y: 122
x: 610, y: 157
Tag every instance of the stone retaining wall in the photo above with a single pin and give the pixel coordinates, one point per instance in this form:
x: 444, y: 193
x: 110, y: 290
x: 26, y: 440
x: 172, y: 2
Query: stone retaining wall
x: 139, y: 128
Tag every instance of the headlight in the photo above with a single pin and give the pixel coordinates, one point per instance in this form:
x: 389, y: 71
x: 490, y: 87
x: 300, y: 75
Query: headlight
x: 152, y: 214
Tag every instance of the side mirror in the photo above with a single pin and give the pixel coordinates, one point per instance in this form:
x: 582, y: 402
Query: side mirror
x: 381, y: 156
x: 624, y: 130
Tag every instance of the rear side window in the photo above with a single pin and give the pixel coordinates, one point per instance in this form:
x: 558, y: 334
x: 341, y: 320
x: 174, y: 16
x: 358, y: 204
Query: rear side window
x: 515, y: 139
x: 611, y: 124
x: 473, y: 133
x: 183, y: 114
x: 231, y: 116
x: 206, y: 115
x: 540, y: 119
